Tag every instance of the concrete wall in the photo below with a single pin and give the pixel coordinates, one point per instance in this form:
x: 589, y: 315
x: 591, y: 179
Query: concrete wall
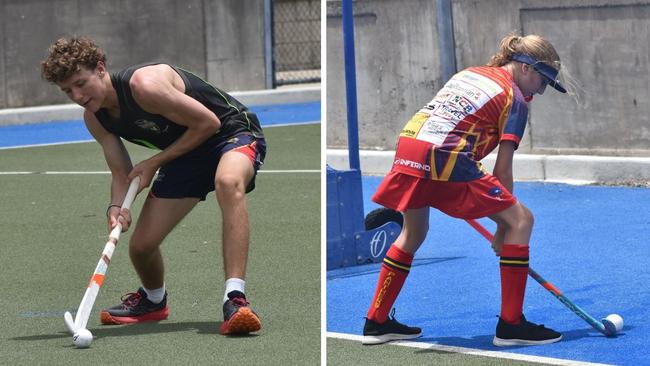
x: 397, y: 68
x: 222, y: 40
x: 235, y: 43
x: 603, y: 44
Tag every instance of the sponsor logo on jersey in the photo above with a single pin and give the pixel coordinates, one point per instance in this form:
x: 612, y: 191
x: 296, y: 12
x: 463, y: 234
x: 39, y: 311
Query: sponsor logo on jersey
x: 408, y: 133
x: 412, y: 164
x: 152, y: 126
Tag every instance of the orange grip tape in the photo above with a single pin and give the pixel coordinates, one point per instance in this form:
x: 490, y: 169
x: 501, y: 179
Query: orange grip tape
x: 98, y: 278
x: 550, y: 287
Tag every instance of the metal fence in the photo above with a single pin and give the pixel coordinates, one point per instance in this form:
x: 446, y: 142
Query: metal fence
x: 296, y: 41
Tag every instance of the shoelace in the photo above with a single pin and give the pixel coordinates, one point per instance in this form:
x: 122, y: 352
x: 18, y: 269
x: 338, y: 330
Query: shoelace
x: 240, y: 301
x: 131, y: 299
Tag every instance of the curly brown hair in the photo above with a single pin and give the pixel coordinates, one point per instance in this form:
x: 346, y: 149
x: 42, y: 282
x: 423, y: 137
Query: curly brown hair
x: 68, y: 56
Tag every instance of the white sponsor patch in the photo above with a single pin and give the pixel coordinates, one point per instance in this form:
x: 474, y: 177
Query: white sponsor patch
x: 436, y: 129
x: 463, y: 95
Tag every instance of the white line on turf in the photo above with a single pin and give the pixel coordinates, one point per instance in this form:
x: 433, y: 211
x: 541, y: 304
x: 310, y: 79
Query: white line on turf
x: 472, y: 351
x: 289, y: 171
x: 54, y: 173
x: 291, y: 124
x: 45, y: 144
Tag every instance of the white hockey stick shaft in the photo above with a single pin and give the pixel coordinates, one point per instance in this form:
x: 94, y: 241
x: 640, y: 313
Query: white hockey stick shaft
x: 97, y: 279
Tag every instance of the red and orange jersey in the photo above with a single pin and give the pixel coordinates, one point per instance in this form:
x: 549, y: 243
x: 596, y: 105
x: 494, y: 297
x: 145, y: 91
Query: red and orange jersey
x: 476, y: 109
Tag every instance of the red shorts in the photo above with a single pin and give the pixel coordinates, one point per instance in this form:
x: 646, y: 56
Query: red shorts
x: 466, y: 200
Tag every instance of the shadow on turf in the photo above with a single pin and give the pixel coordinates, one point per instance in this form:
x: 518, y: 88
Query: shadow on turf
x: 484, y: 342
x: 210, y: 328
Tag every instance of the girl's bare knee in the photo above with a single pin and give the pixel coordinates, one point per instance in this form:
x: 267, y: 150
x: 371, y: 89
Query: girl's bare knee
x: 526, y: 219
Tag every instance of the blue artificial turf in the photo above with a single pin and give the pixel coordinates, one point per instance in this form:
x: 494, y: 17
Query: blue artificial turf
x: 49, y: 132
x: 590, y: 241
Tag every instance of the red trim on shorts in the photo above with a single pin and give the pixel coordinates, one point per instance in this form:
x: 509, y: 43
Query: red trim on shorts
x: 248, y: 150
x: 466, y: 200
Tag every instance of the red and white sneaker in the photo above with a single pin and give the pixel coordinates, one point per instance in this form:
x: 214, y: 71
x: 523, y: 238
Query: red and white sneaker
x: 135, y: 308
x: 238, y: 318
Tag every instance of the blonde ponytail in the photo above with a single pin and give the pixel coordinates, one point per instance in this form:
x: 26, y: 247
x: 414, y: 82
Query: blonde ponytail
x: 507, y: 47
x: 531, y: 45
x: 539, y: 49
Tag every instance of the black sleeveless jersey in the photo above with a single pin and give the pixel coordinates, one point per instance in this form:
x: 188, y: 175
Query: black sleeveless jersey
x: 157, y: 132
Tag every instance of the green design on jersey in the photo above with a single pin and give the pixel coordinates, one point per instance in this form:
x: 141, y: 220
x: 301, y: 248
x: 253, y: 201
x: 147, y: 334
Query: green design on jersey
x: 146, y: 143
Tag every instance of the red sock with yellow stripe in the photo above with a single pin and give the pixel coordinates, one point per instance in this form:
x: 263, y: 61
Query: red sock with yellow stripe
x: 514, y: 273
x: 394, y: 270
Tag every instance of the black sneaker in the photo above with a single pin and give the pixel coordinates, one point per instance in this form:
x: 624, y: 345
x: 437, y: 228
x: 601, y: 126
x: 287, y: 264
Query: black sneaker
x: 135, y: 308
x: 390, y: 330
x: 238, y: 318
x: 524, y: 333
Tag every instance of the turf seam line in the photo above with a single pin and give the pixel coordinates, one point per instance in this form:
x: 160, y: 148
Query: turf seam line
x: 472, y: 351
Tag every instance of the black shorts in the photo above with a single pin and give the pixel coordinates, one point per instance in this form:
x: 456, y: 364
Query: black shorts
x: 192, y: 175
